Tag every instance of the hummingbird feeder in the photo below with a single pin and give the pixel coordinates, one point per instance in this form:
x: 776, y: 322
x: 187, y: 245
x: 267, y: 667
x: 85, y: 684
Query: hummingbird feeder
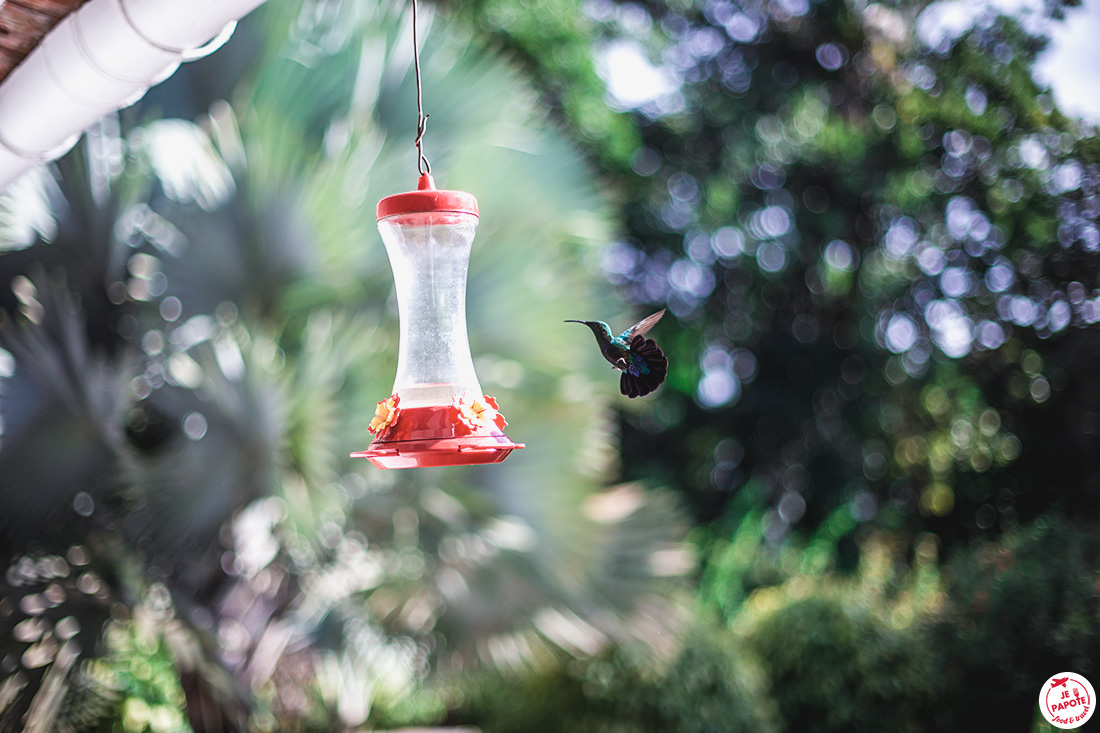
x: 437, y: 414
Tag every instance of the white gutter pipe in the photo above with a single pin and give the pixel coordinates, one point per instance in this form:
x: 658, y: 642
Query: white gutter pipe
x: 98, y: 59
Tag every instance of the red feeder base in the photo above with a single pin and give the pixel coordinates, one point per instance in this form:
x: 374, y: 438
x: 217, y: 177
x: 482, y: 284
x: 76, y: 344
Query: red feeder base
x: 434, y: 435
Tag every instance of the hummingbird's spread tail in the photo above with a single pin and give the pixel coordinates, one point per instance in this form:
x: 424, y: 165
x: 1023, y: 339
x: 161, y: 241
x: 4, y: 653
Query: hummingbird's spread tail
x: 646, y: 369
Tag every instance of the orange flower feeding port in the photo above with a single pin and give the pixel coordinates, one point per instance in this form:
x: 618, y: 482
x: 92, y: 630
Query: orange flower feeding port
x: 437, y: 414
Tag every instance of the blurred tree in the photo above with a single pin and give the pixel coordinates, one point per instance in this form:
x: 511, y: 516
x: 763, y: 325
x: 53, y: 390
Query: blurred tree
x: 879, y: 239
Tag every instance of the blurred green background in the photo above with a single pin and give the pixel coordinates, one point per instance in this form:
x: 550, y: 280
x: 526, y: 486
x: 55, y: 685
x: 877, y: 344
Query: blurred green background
x: 865, y: 499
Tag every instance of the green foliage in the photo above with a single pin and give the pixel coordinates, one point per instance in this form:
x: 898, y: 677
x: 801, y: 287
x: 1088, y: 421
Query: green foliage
x: 708, y: 686
x: 553, y: 40
x: 833, y: 665
x: 140, y: 665
x: 1021, y: 610
x: 903, y: 646
x: 803, y: 651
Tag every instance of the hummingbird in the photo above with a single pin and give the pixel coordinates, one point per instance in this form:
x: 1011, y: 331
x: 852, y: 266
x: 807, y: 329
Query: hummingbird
x: 643, y: 365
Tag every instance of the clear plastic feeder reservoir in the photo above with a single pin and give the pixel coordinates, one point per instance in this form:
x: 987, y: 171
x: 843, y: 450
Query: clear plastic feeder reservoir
x: 437, y: 414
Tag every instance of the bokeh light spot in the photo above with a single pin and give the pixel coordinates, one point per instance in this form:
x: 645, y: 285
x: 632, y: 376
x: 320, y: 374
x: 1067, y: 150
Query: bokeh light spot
x: 194, y: 425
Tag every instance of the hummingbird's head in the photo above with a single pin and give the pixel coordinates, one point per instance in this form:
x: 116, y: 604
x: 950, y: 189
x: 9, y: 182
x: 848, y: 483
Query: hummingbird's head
x: 601, y: 329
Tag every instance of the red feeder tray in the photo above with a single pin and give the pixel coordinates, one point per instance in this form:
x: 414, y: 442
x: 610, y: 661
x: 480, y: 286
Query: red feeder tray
x: 434, y: 435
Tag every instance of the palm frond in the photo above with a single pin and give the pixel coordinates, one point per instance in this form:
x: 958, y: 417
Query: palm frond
x: 251, y: 284
x: 62, y: 409
x: 216, y: 451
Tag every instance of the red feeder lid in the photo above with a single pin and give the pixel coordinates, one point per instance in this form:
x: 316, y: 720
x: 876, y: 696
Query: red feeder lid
x: 433, y: 436
x: 426, y: 199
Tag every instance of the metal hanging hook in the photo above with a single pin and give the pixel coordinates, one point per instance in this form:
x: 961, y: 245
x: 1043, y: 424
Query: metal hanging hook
x: 422, y: 164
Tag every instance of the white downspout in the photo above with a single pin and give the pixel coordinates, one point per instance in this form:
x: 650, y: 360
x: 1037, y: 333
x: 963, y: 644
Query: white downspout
x: 100, y: 58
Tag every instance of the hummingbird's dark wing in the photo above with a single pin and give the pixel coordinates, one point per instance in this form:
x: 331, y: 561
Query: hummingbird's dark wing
x: 641, y: 328
x: 646, y: 366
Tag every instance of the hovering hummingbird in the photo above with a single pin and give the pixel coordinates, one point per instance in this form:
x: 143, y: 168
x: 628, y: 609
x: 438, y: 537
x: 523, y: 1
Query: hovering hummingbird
x: 643, y: 365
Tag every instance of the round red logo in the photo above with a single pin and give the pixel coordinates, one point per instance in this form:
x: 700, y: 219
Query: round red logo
x: 1067, y: 700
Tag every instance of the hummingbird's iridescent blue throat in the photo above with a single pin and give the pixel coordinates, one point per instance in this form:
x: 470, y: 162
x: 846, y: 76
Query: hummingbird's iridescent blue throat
x: 643, y: 365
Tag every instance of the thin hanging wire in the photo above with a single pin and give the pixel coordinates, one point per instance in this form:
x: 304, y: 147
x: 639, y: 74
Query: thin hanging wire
x: 422, y: 164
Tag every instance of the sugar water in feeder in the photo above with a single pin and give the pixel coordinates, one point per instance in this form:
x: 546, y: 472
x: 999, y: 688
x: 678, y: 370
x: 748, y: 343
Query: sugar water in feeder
x: 437, y: 414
